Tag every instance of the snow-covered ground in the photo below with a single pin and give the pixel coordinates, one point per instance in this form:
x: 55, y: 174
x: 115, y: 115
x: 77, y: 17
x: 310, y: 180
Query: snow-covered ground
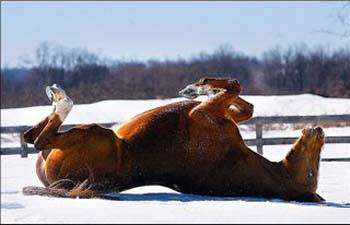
x: 155, y: 204
x: 120, y: 110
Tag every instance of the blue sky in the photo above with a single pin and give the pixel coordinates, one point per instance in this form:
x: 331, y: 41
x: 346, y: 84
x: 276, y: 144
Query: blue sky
x: 165, y: 30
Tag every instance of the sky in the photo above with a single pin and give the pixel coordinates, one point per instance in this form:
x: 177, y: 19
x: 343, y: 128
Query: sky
x: 165, y: 30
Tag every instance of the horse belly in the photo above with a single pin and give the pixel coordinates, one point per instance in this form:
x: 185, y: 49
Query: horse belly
x: 77, y: 164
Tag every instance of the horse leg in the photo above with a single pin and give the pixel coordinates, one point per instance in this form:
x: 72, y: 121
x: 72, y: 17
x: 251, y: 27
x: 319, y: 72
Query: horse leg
x: 30, y: 135
x: 54, y: 94
x: 215, y: 108
x: 241, y: 111
x: 49, y: 135
x: 88, y: 146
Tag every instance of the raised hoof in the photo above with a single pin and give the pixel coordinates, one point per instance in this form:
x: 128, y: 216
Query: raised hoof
x: 190, y: 92
x: 55, y: 93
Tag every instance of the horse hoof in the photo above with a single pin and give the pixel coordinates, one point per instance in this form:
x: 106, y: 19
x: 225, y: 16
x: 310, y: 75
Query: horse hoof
x: 55, y: 93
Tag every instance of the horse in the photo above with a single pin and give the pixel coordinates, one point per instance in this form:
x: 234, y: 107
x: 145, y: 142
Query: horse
x: 190, y: 146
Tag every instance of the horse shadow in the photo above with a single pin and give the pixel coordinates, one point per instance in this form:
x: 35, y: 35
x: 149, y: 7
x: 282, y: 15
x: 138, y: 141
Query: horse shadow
x: 179, y: 197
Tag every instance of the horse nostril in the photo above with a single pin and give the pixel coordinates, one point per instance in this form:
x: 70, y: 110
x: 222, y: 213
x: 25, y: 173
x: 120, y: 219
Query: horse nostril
x: 319, y: 131
x: 308, y: 131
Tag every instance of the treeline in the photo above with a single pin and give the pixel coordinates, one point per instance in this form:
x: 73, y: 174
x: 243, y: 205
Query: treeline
x: 89, y: 78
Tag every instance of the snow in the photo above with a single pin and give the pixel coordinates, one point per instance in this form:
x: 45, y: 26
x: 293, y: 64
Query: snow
x: 111, y: 111
x: 156, y: 204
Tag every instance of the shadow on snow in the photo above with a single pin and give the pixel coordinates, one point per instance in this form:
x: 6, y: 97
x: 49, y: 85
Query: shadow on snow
x: 166, y: 197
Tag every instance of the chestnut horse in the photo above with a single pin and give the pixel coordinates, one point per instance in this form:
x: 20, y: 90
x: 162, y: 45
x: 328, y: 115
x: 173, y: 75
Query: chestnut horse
x: 189, y: 146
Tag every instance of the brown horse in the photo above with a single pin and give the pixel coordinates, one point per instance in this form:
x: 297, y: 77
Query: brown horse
x: 190, y: 146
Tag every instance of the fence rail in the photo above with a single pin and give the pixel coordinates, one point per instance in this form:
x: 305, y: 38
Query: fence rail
x: 258, y: 122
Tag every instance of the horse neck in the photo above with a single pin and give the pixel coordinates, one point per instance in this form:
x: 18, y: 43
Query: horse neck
x: 302, y: 170
x: 270, y: 176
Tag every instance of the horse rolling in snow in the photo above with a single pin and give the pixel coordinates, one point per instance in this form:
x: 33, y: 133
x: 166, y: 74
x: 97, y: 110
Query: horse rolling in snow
x: 190, y: 146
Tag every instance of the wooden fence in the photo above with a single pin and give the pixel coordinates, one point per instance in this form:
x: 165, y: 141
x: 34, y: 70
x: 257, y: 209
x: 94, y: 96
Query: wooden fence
x: 258, y: 122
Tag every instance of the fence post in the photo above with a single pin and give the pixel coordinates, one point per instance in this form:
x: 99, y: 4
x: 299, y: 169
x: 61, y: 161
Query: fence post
x: 24, y: 147
x: 259, y: 132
